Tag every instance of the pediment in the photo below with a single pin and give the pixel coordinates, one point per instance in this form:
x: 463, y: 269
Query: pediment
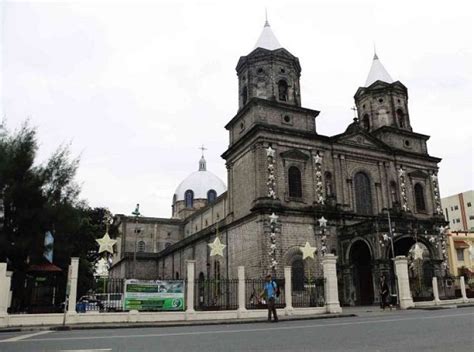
x: 358, y: 139
x: 295, y: 154
x: 418, y: 174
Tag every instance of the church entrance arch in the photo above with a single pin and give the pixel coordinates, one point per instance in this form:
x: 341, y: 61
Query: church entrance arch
x: 361, y: 261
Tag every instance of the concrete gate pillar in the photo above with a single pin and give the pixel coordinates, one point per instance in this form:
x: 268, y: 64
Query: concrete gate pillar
x: 463, y: 289
x: 330, y: 286
x: 190, y: 264
x: 288, y: 297
x: 434, y: 283
x: 5, y: 281
x: 401, y: 274
x: 72, y: 285
x: 241, y: 292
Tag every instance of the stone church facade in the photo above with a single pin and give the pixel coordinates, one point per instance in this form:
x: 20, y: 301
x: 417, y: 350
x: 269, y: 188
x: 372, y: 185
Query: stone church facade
x: 277, y: 163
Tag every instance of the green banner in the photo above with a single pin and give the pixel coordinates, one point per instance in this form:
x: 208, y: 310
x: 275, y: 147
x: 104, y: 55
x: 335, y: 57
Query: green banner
x: 154, y: 295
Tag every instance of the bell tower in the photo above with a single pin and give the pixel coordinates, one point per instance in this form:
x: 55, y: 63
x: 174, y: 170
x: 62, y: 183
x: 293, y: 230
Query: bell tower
x: 382, y: 102
x: 269, y: 72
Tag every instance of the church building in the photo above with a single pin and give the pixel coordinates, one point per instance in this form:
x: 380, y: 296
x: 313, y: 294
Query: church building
x: 289, y: 186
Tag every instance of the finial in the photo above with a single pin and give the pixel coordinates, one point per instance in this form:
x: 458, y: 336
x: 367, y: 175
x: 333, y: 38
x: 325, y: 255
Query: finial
x: 202, y: 150
x: 202, y: 162
x: 266, y: 19
x: 375, y: 52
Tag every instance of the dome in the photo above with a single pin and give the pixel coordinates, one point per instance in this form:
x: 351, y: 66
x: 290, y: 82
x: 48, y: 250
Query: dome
x: 200, y: 182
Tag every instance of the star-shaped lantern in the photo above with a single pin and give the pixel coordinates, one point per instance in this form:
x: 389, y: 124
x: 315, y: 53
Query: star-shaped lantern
x: 273, y: 218
x: 106, y: 244
x: 417, y: 252
x: 217, y: 248
x: 270, y: 151
x: 401, y: 172
x: 322, y: 221
x: 318, y: 159
x: 308, y: 251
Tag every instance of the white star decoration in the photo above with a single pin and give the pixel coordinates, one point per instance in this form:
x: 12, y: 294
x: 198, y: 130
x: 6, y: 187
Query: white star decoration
x: 385, y: 237
x: 106, y: 244
x: 318, y: 159
x: 270, y: 152
x: 417, y: 252
x: 308, y: 251
x: 217, y: 248
x: 401, y: 172
x: 322, y: 221
x: 273, y: 218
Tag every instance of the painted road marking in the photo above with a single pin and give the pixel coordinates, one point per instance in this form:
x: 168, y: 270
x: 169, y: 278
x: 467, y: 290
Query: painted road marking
x: 95, y: 350
x: 245, y: 330
x: 22, y: 337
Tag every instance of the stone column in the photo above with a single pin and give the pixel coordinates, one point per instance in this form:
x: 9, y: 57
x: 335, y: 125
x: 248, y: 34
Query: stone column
x: 401, y: 275
x: 463, y: 289
x: 190, y: 286
x: 4, y: 288
x: 435, y: 290
x: 330, y: 286
x: 241, y: 291
x: 72, y: 285
x: 288, y: 297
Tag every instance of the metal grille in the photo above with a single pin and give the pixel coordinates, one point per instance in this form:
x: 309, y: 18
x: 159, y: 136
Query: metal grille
x: 213, y: 294
x: 253, y: 290
x: 105, y: 296
x: 311, y: 294
x: 449, y: 287
x: 421, y: 288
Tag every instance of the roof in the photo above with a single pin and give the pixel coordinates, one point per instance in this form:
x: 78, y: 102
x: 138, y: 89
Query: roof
x: 377, y: 73
x: 200, y: 182
x: 267, y: 39
x: 45, y: 267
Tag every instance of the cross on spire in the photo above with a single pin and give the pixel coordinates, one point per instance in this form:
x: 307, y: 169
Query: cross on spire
x: 266, y: 19
x: 202, y: 149
x: 355, y: 111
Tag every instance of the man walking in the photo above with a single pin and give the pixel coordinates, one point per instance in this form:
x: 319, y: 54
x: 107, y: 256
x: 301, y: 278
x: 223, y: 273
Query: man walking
x: 269, y: 292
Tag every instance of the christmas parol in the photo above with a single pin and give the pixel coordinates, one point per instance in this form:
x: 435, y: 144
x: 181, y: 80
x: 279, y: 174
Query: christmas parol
x: 444, y: 251
x: 322, y: 223
x: 217, y: 248
x: 401, y: 174
x: 271, y: 172
x: 106, y: 244
x: 308, y: 251
x: 272, y: 252
x: 434, y: 182
x: 318, y: 160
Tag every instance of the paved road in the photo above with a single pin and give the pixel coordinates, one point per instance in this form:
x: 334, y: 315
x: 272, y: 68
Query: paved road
x: 440, y: 330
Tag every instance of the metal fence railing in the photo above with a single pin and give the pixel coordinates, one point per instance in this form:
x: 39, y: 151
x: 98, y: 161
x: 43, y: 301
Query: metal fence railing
x: 449, y: 287
x: 309, y: 293
x: 106, y: 295
x: 216, y: 294
x: 253, y: 290
x: 421, y: 288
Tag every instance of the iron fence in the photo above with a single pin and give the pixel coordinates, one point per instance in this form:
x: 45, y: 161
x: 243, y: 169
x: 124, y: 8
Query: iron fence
x: 106, y: 295
x: 421, y: 288
x: 254, y: 290
x: 449, y: 287
x: 310, y: 294
x: 216, y: 294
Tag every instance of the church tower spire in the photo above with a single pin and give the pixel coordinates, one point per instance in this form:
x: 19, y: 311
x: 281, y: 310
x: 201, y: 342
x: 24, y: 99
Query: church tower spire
x: 377, y: 72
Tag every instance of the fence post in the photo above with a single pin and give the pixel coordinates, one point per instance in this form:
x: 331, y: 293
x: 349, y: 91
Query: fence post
x: 190, y: 264
x: 435, y: 290
x: 241, y: 291
x: 463, y: 289
x: 288, y: 296
x: 401, y: 272
x: 72, y: 285
x: 5, y: 281
x: 331, y: 292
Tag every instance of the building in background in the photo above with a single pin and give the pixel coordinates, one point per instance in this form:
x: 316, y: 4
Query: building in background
x: 458, y: 211
x: 461, y: 253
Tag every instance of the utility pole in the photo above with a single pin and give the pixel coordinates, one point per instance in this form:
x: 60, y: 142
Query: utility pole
x: 136, y: 213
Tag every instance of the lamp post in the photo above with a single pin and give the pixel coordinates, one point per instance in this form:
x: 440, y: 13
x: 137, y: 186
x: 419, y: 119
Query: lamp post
x: 393, y: 250
x: 136, y: 213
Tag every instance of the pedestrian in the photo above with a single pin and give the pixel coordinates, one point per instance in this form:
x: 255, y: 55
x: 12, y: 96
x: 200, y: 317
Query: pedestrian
x: 384, y: 292
x: 269, y: 292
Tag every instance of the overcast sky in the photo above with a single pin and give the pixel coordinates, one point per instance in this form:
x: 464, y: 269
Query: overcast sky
x: 137, y: 87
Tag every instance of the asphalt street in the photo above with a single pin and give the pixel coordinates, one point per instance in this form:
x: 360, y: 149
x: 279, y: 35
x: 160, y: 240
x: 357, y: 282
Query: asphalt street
x: 415, y: 330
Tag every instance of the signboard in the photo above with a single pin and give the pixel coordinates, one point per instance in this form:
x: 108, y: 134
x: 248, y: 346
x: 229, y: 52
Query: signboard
x: 154, y: 295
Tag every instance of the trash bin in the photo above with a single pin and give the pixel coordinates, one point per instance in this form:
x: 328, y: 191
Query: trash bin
x: 393, y: 300
x: 81, y: 307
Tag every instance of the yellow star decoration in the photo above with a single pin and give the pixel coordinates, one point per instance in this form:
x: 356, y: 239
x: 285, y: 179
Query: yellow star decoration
x: 106, y: 244
x: 217, y: 247
x: 417, y: 252
x: 308, y: 251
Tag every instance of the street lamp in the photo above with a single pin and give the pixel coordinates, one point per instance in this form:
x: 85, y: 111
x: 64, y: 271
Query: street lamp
x: 393, y: 250
x: 136, y: 213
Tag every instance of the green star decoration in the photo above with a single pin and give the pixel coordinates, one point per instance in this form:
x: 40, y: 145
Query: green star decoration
x: 217, y: 248
x: 106, y: 244
x: 308, y: 251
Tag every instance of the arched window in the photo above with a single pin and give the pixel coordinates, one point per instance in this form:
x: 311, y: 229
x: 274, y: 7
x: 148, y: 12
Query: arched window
x: 363, y: 194
x: 393, y: 192
x: 141, y: 247
x: 297, y: 274
x: 328, y: 184
x: 366, y: 122
x: 294, y: 182
x: 176, y: 276
x: 244, y: 95
x: 211, y: 196
x: 420, y: 198
x: 189, y: 198
x: 282, y: 90
x: 400, y: 118
x: 173, y: 205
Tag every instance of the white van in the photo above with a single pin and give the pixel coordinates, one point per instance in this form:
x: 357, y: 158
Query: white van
x: 113, y: 302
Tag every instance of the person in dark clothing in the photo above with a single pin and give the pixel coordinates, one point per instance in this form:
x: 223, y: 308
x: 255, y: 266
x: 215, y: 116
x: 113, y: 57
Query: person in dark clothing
x: 384, y: 293
x: 269, y: 292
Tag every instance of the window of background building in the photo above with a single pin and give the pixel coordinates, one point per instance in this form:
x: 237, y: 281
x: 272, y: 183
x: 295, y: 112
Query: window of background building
x: 468, y: 204
x: 456, y: 207
x: 471, y: 217
x: 460, y: 254
x: 141, y: 247
x: 458, y: 221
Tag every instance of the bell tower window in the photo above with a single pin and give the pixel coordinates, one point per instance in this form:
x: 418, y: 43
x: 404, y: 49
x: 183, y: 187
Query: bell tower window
x: 282, y: 90
x: 189, y: 198
x: 244, y: 95
x: 366, y: 122
x: 294, y: 182
x: 400, y: 118
x: 420, y: 198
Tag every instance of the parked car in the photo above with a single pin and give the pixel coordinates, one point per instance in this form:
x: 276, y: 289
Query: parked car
x: 89, y: 303
x: 111, y: 302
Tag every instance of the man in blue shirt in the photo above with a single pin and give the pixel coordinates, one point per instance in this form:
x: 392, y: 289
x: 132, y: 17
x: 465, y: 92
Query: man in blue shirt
x: 269, y: 292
